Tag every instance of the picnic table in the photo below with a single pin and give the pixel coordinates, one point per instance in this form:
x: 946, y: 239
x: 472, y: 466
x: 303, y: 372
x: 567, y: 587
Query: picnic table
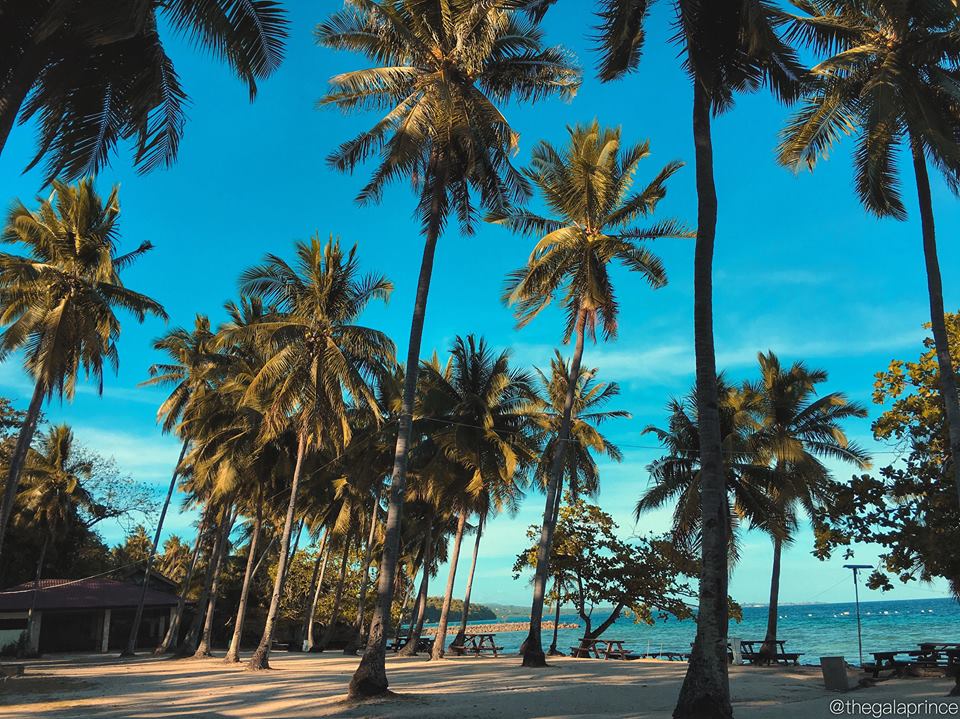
x: 750, y: 651
x: 945, y: 655
x: 425, y: 644
x: 600, y: 649
x: 477, y: 644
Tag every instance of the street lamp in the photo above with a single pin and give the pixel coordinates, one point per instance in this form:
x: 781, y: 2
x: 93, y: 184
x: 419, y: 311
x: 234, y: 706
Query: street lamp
x: 856, y: 592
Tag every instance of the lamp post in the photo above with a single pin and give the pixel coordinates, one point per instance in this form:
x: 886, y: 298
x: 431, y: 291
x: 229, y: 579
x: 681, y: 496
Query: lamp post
x: 856, y: 593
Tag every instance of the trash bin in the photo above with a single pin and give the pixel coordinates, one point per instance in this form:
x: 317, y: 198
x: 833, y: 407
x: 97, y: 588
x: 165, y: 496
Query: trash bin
x: 835, y: 673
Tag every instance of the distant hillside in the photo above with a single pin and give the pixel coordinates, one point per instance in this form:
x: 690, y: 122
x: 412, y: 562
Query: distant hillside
x: 477, y: 611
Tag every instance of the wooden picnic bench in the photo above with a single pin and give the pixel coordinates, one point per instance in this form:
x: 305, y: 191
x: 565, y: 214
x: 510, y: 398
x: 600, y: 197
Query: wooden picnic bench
x: 477, y: 644
x: 424, y: 644
x: 930, y: 655
x: 600, y: 649
x: 750, y: 651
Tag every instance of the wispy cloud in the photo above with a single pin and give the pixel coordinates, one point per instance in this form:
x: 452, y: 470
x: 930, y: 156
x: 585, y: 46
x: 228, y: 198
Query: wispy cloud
x: 147, y: 457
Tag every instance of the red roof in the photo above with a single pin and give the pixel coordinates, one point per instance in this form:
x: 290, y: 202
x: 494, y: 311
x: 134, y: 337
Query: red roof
x: 81, y: 594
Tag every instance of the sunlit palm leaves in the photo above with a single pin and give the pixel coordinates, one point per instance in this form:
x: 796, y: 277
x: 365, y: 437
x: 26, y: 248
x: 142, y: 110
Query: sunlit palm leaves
x: 892, y: 75
x: 588, y: 186
x: 441, y: 69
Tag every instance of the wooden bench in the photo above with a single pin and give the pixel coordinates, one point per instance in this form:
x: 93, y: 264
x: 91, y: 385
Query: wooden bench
x: 600, y: 649
x: 750, y: 653
x: 424, y: 644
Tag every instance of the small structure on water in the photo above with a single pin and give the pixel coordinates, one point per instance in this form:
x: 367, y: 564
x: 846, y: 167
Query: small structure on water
x: 87, y: 615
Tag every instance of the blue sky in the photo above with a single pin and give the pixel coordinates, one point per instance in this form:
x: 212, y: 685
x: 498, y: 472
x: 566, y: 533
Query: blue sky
x: 800, y: 269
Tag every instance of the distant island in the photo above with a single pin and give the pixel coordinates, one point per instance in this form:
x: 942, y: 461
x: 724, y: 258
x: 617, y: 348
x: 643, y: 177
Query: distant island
x: 477, y: 611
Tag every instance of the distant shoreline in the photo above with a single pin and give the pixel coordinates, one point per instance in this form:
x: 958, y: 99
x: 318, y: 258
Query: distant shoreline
x: 505, y: 627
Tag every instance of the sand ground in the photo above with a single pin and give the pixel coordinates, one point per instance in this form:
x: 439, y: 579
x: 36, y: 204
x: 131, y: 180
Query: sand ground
x: 303, y: 686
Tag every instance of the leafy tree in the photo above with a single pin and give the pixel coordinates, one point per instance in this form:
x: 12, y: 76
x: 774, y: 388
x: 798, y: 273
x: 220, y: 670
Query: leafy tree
x: 135, y: 548
x: 587, y: 185
x: 891, y: 79
x: 174, y: 561
x: 647, y: 577
x: 441, y: 69
x: 94, y: 74
x: 909, y: 507
x: 58, y: 303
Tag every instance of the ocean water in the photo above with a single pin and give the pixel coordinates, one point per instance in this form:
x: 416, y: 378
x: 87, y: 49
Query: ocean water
x: 815, y: 629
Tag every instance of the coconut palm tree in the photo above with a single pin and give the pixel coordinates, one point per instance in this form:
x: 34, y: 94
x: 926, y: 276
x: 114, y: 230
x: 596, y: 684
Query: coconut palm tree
x: 675, y: 478
x: 587, y: 185
x: 58, y: 302
x: 319, y: 358
x: 53, y: 491
x: 890, y: 79
x: 95, y: 74
x: 441, y: 69
x: 192, y: 359
x: 796, y: 431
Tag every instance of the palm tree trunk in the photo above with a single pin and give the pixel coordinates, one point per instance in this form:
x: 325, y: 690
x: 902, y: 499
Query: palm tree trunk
x: 192, y: 638
x: 18, y: 458
x: 233, y: 653
x: 416, y: 624
x: 36, y: 584
x: 438, y: 643
x: 465, y: 616
x: 370, y: 678
x: 553, y: 651
x: 948, y: 377
x: 338, y: 593
x: 170, y: 639
x: 351, y: 648
x: 533, y: 655
x: 403, y: 607
x: 203, y: 649
x: 768, y: 651
x: 312, y: 611
x: 130, y: 649
x: 705, y: 693
x: 261, y: 657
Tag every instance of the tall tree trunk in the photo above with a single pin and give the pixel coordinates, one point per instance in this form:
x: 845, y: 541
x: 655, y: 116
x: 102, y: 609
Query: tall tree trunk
x: 206, y: 637
x: 948, y: 377
x: 768, y: 651
x: 170, y: 639
x: 352, y: 645
x: 31, y: 615
x: 338, y: 593
x: 18, y: 458
x: 192, y: 638
x: 261, y: 657
x: 416, y: 623
x: 533, y: 655
x: 440, y: 641
x: 403, y: 608
x: 233, y: 653
x: 131, y: 647
x: 370, y: 678
x: 465, y: 615
x: 311, y: 613
x: 553, y: 651
x: 293, y: 549
x: 705, y: 693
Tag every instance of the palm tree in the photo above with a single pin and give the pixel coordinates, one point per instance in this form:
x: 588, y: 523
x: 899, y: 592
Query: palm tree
x: 584, y: 440
x: 192, y: 358
x: 588, y: 186
x: 53, y: 490
x: 476, y: 416
x: 796, y: 431
x: 728, y: 47
x: 58, y: 303
x: 94, y: 75
x: 890, y: 79
x: 441, y: 67
x: 319, y: 358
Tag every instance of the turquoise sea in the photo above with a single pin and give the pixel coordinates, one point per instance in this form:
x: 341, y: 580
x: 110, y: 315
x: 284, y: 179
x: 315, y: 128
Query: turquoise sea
x: 814, y: 629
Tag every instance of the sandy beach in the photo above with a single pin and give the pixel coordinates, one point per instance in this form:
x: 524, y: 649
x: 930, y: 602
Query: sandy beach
x: 303, y: 686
